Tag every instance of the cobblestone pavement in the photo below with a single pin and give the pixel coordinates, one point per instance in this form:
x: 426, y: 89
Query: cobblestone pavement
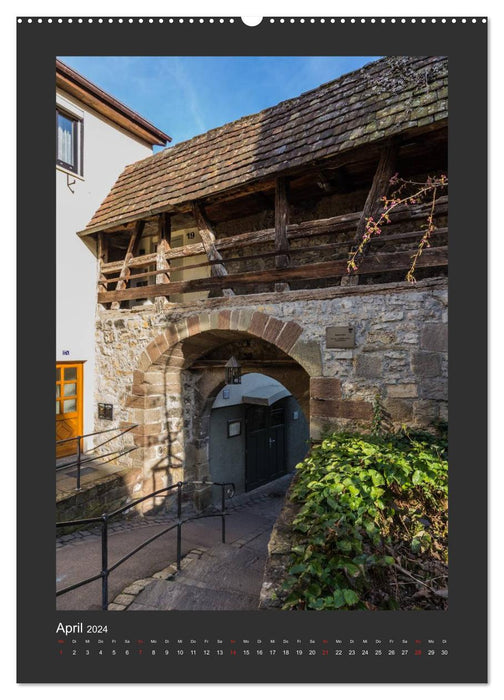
x: 78, y: 554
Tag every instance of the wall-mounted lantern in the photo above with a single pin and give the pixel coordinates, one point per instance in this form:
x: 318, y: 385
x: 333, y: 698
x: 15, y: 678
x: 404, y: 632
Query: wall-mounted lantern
x: 233, y: 371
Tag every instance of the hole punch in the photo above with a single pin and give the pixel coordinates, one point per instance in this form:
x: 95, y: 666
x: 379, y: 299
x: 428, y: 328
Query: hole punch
x: 251, y: 21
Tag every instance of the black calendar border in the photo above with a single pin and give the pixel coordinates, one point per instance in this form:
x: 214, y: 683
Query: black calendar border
x: 465, y: 44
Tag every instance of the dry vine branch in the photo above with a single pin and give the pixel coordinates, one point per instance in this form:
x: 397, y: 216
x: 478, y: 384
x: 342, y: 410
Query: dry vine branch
x: 374, y: 228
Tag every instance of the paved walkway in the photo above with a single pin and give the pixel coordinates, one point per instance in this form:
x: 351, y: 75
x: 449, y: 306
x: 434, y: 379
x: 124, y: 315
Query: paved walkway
x: 214, y: 576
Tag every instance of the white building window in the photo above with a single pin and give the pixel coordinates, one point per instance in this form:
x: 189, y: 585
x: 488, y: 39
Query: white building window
x: 69, y: 134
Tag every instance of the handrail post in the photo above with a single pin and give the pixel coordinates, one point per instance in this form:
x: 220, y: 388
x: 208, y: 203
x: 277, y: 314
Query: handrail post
x: 179, y: 524
x: 223, y: 513
x: 105, y: 571
x: 78, y: 462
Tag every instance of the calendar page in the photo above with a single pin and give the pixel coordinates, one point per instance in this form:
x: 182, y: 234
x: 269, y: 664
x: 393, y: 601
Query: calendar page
x: 270, y: 444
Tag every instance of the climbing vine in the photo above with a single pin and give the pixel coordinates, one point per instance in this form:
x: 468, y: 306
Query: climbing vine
x: 406, y: 193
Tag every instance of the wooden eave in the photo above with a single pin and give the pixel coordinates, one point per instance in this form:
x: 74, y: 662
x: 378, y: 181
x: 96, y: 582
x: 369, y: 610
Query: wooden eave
x: 91, y: 95
x: 346, y: 156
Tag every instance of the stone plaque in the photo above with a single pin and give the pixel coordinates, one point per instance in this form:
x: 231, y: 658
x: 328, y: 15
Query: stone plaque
x: 340, y: 337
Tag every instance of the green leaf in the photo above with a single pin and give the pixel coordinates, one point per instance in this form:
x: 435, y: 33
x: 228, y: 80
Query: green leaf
x: 339, y: 598
x: 297, y: 569
x: 351, y: 597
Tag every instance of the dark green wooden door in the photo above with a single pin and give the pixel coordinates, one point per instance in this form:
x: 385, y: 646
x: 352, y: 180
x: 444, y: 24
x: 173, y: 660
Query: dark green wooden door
x: 265, y: 445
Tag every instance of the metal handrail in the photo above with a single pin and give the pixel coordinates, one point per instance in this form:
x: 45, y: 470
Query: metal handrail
x: 227, y: 490
x: 79, y: 461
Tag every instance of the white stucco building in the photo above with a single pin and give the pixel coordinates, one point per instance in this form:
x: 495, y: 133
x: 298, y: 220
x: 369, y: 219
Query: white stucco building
x: 96, y: 137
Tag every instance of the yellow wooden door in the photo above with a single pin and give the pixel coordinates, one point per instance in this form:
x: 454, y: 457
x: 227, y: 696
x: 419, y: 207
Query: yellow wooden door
x: 68, y: 406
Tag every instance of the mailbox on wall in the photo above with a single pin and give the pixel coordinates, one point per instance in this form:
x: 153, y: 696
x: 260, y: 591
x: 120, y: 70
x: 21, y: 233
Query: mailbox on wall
x: 105, y: 411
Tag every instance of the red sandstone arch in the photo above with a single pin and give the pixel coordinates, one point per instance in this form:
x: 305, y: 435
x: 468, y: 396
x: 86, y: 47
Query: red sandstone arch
x: 158, y: 380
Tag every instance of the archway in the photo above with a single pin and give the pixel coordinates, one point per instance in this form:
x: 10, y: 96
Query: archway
x: 257, y: 433
x: 181, y: 372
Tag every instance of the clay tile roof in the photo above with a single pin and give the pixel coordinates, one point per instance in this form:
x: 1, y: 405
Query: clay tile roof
x: 383, y: 98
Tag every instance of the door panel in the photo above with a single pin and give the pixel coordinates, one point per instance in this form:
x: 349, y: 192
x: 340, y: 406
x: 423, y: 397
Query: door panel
x: 68, y: 406
x: 265, y: 444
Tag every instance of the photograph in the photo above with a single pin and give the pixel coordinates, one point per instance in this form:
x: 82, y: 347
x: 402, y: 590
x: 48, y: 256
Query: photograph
x: 252, y: 333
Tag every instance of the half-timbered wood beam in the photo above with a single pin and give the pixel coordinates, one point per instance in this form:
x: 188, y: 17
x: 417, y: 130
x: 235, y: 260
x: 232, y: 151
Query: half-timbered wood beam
x: 282, y: 259
x: 125, y: 270
x: 163, y: 246
x: 323, y: 182
x: 379, y: 262
x: 314, y: 228
x: 331, y: 248
x: 380, y: 185
x: 208, y: 239
x: 379, y: 188
x: 101, y: 255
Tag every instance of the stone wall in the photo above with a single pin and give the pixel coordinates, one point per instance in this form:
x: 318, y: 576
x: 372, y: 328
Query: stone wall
x: 144, y: 359
x: 101, y: 496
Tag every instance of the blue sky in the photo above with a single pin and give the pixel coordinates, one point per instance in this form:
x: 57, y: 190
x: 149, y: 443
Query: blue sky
x: 187, y: 95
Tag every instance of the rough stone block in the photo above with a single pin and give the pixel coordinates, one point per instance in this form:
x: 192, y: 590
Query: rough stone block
x: 173, y: 382
x: 144, y: 361
x: 153, y: 377
x: 356, y: 410
x: 162, y: 343
x: 245, y: 319
x: 434, y: 337
x: 193, y: 325
x: 152, y: 351
x: 272, y: 329
x: 204, y: 321
x: 426, y: 364
x: 340, y: 354
x: 288, y: 336
x: 325, y: 388
x: 224, y: 319
x: 425, y: 412
x: 124, y: 599
x: 234, y: 319
x: 309, y: 356
x: 341, y: 408
x: 402, y: 391
x: 214, y: 320
x: 133, y: 589
x: 138, y: 377
x: 182, y: 329
x: 434, y: 389
x: 258, y: 323
x: 369, y: 365
x: 400, y: 409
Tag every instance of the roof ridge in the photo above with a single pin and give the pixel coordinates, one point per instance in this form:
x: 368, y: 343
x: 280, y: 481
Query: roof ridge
x: 381, y: 98
x: 170, y: 150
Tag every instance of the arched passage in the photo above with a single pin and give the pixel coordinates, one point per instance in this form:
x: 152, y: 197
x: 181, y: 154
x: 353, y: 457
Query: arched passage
x: 257, y: 433
x: 181, y: 371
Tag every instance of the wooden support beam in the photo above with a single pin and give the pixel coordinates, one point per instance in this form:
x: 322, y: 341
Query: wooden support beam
x: 323, y: 249
x: 318, y: 227
x: 282, y: 259
x: 379, y: 262
x: 379, y: 188
x: 163, y: 246
x: 323, y: 182
x: 102, y: 256
x: 380, y: 185
x: 208, y: 239
x: 125, y: 270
